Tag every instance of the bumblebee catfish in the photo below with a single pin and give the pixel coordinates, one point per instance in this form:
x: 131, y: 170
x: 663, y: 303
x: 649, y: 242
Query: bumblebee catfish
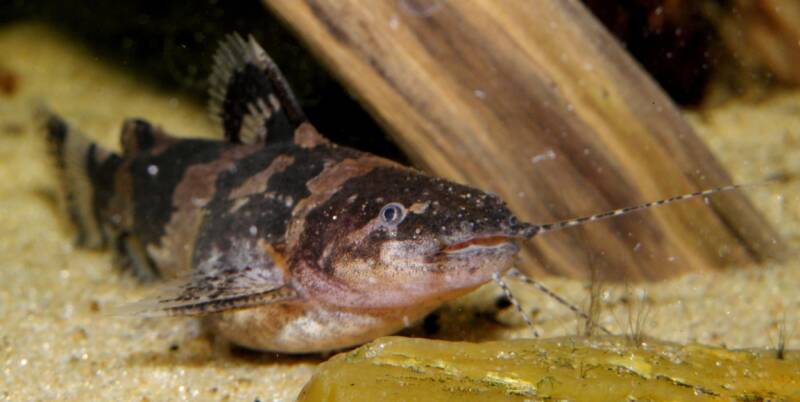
x: 278, y: 238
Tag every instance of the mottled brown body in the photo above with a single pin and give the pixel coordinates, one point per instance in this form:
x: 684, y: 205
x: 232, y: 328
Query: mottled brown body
x: 231, y: 203
x: 278, y: 238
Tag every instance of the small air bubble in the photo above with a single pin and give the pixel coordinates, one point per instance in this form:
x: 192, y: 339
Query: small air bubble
x: 547, y: 155
x: 152, y: 170
x: 253, y: 230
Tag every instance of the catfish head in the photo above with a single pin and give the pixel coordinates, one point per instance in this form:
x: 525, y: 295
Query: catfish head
x: 395, y: 237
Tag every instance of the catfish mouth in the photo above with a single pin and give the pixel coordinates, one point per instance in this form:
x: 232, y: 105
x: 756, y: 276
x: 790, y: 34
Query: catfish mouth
x: 478, y: 245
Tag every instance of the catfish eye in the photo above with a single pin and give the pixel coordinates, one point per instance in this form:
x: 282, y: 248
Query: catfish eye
x: 392, y: 214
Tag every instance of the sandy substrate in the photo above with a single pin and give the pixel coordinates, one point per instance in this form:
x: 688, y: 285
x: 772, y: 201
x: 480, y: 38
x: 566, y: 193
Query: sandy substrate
x: 57, y: 342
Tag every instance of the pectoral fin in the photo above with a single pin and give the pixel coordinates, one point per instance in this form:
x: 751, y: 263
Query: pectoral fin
x: 214, y: 293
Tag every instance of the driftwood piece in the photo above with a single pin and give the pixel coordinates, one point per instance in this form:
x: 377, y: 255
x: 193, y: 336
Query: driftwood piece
x: 538, y: 103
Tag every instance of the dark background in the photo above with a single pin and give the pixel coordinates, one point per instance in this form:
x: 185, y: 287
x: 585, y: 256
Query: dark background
x: 170, y: 44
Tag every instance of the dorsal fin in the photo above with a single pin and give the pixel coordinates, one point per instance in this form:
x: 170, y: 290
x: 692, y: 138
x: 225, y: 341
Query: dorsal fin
x: 249, y: 97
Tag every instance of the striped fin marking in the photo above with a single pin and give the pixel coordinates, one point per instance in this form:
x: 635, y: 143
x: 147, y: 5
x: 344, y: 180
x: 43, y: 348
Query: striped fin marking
x: 79, y: 163
x: 177, y: 304
x: 249, y: 96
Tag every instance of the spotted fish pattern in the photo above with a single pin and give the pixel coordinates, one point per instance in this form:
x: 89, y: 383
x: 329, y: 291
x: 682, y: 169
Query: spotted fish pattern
x: 278, y: 238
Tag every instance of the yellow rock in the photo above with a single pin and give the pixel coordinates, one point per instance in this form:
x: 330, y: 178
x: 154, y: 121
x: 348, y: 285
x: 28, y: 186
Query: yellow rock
x: 567, y: 368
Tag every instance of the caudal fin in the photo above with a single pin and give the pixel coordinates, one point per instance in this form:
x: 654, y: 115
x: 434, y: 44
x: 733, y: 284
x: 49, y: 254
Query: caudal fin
x: 86, y: 174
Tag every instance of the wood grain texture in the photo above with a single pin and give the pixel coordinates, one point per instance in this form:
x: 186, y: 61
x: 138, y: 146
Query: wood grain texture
x: 536, y: 101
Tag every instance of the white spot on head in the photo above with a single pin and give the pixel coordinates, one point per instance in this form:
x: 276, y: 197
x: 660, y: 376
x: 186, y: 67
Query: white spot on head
x: 479, y: 94
x: 152, y: 170
x: 419, y: 207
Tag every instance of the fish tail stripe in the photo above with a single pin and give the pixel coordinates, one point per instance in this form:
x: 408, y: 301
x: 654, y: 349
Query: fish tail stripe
x: 623, y: 211
x: 248, y: 95
x: 79, y: 162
